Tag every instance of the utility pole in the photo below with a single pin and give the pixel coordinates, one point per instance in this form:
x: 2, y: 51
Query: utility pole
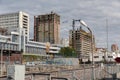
x: 1, y: 58
x: 105, y: 55
x: 2, y: 44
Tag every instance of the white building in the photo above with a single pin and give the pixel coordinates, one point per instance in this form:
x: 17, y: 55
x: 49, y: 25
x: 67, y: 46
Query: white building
x: 16, y: 24
x: 100, y: 56
x: 65, y: 42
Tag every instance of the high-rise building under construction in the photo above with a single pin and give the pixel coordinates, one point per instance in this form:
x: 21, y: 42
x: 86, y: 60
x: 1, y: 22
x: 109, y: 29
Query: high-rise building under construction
x: 46, y: 28
x: 81, y: 41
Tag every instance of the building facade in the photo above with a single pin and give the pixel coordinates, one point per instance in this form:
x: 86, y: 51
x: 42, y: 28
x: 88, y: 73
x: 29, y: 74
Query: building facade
x: 47, y: 28
x: 14, y: 39
x: 114, y: 48
x: 16, y: 23
x: 82, y: 42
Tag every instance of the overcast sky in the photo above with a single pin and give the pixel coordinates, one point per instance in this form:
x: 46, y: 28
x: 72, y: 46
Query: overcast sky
x: 93, y: 12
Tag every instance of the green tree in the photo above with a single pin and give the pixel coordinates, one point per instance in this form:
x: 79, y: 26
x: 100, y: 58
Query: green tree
x: 67, y: 52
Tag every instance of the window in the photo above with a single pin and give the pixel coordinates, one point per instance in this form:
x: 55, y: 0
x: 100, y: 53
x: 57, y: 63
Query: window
x: 110, y: 56
x: 96, y: 56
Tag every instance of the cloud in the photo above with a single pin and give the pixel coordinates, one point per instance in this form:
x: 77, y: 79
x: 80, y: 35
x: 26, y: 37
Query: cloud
x: 94, y: 13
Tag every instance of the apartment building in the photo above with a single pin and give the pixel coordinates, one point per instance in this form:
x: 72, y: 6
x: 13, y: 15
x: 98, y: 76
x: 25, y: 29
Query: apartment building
x: 82, y: 41
x: 47, y: 28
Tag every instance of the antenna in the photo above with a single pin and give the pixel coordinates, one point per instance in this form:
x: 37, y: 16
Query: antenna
x: 107, y: 33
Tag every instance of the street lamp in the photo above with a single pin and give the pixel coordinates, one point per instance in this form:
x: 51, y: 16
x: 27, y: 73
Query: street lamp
x: 84, y: 24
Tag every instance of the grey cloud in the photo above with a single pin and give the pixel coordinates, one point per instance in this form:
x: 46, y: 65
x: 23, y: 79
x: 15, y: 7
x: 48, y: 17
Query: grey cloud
x: 93, y: 12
